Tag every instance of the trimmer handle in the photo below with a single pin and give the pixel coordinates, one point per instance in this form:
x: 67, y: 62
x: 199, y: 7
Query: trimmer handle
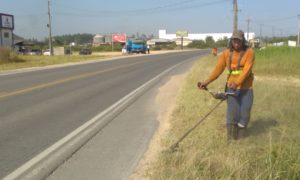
x: 216, y: 95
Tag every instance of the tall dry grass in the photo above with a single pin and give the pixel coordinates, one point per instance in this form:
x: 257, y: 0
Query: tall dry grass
x: 8, y: 56
x: 271, y: 149
x: 9, y: 60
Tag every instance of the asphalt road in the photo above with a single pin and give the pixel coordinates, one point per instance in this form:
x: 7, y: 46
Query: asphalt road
x: 40, y: 107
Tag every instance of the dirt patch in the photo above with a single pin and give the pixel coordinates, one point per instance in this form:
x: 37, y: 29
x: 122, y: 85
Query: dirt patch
x: 165, y: 102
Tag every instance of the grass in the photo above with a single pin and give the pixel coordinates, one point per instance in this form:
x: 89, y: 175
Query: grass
x: 270, y: 151
x: 7, y: 56
x: 10, y: 60
x: 272, y: 148
x: 278, y: 61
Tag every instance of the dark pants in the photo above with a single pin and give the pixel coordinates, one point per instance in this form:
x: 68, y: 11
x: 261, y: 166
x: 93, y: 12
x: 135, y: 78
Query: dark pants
x: 239, y: 107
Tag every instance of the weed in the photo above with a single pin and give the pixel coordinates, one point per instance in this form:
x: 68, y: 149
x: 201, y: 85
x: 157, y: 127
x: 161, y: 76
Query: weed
x: 271, y: 149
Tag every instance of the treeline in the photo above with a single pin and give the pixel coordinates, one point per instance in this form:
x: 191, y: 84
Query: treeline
x: 70, y: 38
x: 279, y: 39
x: 86, y: 39
x: 62, y: 40
x: 209, y: 42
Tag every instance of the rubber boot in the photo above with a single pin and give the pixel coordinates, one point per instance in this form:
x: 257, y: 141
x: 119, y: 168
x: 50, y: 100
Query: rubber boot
x: 232, y: 132
x: 241, y: 133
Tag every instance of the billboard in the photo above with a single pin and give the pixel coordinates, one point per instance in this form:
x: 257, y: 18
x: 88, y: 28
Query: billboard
x: 119, y: 37
x: 181, y: 33
x: 6, y: 21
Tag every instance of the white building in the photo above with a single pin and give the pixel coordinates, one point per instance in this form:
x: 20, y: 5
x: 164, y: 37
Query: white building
x: 162, y: 34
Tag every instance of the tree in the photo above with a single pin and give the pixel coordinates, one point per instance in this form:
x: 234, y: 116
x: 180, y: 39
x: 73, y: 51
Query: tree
x: 210, y: 42
x: 197, y: 44
x: 222, y: 42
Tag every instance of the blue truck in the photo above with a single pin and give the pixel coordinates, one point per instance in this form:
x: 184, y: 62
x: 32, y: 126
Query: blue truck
x: 136, y: 46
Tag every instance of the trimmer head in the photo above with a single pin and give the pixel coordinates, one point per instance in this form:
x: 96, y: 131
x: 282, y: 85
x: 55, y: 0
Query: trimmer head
x: 221, y: 95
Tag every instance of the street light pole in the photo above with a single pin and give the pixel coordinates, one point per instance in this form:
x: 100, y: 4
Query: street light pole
x: 49, y: 27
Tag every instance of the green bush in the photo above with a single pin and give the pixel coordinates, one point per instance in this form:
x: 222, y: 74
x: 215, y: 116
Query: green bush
x: 169, y: 46
x: 156, y: 48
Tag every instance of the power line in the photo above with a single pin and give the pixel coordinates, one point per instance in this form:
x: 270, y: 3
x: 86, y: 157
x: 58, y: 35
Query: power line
x: 162, y: 9
x: 280, y: 19
x: 274, y: 28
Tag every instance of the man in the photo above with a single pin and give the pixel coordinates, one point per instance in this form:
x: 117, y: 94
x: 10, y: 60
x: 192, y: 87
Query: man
x: 148, y: 49
x: 238, y: 58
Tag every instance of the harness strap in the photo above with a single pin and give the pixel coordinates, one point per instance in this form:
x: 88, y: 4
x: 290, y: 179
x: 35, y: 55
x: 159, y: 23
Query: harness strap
x: 236, y: 72
x: 230, y: 60
x: 242, y: 53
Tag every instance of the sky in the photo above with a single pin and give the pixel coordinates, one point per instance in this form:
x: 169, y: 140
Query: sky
x: 266, y: 17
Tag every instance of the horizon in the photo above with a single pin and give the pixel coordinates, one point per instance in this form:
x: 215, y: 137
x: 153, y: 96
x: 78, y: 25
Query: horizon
x: 279, y: 19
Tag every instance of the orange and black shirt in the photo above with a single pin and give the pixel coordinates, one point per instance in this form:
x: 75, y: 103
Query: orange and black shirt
x: 242, y: 76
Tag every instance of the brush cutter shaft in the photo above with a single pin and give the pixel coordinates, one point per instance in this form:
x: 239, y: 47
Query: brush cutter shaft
x: 175, y: 145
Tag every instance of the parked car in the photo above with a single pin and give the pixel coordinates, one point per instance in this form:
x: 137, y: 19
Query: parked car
x: 46, y: 52
x: 35, y: 52
x: 85, y: 51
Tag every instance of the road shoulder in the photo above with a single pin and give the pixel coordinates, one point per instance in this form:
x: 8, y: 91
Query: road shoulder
x: 165, y: 102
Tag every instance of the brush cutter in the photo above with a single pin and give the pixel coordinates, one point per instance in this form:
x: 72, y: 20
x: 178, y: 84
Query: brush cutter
x: 217, y: 95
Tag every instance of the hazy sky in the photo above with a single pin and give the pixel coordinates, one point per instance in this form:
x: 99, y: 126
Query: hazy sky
x: 275, y: 17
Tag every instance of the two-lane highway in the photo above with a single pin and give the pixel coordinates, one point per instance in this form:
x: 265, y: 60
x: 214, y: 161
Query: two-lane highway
x: 38, y: 108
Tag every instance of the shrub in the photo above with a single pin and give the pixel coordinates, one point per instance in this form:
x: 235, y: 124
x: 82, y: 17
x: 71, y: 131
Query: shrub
x: 7, y: 55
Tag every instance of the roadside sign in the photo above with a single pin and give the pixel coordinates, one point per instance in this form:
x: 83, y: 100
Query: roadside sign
x: 119, y: 37
x: 6, y: 21
x: 182, y: 33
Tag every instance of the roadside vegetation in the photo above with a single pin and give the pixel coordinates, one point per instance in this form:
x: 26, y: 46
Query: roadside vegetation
x: 10, y: 60
x: 271, y: 149
x: 6, y: 56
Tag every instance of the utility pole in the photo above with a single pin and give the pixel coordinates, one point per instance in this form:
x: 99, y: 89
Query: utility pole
x: 112, y: 43
x: 260, y: 31
x: 248, y: 27
x: 281, y: 32
x: 235, y: 16
x: 299, y: 31
x: 49, y: 27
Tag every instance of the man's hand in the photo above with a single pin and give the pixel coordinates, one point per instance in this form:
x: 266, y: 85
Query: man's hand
x: 232, y: 86
x: 202, y: 85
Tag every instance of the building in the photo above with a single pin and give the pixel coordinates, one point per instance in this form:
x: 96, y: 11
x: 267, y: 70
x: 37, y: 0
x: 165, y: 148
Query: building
x: 98, y: 40
x: 6, y: 30
x: 154, y: 42
x: 162, y: 34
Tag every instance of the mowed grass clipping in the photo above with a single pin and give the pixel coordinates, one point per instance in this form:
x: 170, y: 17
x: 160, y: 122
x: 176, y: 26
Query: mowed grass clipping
x: 271, y: 149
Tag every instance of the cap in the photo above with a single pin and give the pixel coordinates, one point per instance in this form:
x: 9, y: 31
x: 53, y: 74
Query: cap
x: 238, y: 35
